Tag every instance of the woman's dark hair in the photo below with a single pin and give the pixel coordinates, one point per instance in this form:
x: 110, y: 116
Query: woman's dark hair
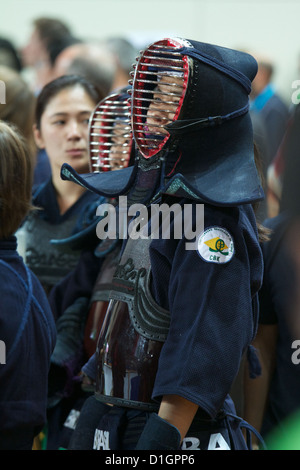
x: 16, y: 172
x: 53, y: 88
x: 20, y: 105
x: 9, y: 55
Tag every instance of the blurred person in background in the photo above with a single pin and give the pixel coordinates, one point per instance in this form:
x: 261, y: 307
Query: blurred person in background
x: 268, y: 107
x: 124, y: 54
x: 272, y: 398
x: 88, y: 59
x: 276, y: 170
x: 62, y: 116
x: 266, y: 102
x: 48, y: 38
x: 9, y: 55
x: 19, y: 110
x: 107, y: 62
x: 19, y: 105
x: 27, y: 325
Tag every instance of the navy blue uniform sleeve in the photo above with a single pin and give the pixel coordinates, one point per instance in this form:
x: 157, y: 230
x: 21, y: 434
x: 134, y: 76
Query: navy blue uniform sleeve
x: 213, y: 312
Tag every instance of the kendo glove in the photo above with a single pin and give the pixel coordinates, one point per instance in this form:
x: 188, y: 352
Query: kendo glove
x: 158, y: 434
x: 67, y: 355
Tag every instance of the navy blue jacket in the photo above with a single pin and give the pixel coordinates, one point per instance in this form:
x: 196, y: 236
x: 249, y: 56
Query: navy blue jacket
x: 213, y: 307
x: 28, y: 331
x: 276, y: 299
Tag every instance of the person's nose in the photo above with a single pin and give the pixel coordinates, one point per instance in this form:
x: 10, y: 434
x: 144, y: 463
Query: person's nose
x: 73, y: 131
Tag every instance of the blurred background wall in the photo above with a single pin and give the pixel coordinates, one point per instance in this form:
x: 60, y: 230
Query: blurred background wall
x: 260, y: 26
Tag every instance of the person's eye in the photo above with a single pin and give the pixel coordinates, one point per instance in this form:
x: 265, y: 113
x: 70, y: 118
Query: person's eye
x: 59, y: 122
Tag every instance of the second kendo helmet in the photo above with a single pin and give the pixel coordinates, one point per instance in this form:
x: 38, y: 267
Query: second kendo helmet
x: 191, y: 127
x: 111, y: 148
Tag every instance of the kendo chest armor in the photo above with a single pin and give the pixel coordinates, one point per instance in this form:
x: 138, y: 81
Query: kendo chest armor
x: 132, y: 334
x: 49, y: 262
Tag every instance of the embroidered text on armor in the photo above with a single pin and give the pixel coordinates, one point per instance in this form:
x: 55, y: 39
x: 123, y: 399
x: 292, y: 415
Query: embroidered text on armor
x: 61, y: 260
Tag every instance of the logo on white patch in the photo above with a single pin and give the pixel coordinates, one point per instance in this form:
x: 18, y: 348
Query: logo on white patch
x: 215, y: 245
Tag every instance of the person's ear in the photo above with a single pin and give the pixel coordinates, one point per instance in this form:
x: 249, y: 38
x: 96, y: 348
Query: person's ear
x: 38, y: 137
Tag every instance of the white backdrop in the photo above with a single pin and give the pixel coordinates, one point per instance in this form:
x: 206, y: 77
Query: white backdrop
x: 262, y: 26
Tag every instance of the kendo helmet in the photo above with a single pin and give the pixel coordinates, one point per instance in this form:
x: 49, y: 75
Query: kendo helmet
x: 110, y: 136
x: 191, y: 125
x: 111, y: 148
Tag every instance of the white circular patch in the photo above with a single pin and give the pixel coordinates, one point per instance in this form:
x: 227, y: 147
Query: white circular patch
x: 215, y: 245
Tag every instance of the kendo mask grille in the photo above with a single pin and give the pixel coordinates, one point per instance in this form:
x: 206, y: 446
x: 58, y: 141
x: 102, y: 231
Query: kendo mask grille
x: 110, y: 136
x: 159, y: 86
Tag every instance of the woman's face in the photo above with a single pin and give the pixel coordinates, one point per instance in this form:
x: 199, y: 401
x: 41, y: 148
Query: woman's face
x: 63, y: 129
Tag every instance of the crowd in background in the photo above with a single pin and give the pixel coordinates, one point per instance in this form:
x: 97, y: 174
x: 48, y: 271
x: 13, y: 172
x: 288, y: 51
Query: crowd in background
x: 53, y: 51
